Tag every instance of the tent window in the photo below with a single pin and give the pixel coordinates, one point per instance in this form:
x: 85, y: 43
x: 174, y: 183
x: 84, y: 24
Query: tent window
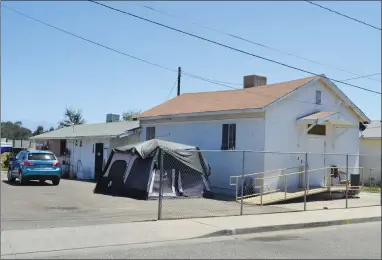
x: 228, y: 137
x: 317, y: 130
x: 150, y: 133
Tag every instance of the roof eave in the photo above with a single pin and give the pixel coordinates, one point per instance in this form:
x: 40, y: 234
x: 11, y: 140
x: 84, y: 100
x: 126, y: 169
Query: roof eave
x: 287, y: 95
x: 129, y: 132
x: 211, y: 113
x: 74, y: 137
x: 351, y: 105
x: 364, y: 118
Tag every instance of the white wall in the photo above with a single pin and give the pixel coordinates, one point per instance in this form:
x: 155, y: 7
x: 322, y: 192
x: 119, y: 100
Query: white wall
x: 283, y: 133
x: 84, y: 157
x: 207, y: 135
x: 371, y: 160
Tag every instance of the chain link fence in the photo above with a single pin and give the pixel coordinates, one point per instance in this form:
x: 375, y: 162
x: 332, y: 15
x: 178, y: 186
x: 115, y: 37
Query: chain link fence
x: 369, y: 181
x: 258, y: 182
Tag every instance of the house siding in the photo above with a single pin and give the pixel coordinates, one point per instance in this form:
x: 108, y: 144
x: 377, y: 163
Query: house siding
x: 83, y: 158
x: 371, y: 160
x: 207, y: 135
x: 284, y: 135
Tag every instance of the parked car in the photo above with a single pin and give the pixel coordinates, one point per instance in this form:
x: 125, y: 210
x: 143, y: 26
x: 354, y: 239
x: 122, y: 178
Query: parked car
x: 35, y: 165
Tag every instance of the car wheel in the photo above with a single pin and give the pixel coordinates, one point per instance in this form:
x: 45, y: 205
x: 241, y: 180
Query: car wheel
x: 56, y: 181
x: 9, y: 175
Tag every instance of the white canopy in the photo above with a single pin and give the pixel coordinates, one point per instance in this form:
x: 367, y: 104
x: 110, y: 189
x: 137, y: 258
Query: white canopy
x: 323, y: 118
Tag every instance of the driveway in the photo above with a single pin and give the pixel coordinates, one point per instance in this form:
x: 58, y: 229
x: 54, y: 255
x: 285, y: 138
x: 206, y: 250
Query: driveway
x: 73, y: 203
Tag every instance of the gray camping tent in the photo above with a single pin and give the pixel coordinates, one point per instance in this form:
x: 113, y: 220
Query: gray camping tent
x: 134, y: 171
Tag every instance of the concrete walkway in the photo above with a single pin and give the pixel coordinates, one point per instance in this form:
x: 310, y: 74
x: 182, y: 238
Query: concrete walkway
x: 14, y: 242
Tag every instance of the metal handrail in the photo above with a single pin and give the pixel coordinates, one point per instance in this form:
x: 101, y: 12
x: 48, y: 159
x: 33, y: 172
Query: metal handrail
x: 282, y: 175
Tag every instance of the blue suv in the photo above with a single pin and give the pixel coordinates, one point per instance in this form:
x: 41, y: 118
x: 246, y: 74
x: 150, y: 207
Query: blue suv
x: 35, y: 165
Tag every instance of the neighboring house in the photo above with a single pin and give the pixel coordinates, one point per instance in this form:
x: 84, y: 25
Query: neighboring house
x: 371, y: 146
x: 21, y: 144
x: 87, y: 146
x: 305, y: 115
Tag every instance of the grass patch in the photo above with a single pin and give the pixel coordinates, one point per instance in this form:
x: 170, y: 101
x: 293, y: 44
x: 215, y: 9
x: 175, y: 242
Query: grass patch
x: 372, y: 189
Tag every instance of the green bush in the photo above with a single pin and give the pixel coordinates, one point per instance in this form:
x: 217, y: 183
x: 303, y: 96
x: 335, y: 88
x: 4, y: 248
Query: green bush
x: 5, y: 160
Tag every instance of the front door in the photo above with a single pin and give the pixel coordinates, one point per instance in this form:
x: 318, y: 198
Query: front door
x: 98, y: 153
x: 316, y: 162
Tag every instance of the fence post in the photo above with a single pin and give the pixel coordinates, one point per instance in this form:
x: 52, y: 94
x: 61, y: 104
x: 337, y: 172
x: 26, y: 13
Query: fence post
x: 380, y: 192
x: 306, y: 179
x: 261, y: 188
x: 347, y: 179
x: 161, y: 173
x: 370, y: 171
x: 242, y: 184
x: 285, y: 183
x: 329, y: 176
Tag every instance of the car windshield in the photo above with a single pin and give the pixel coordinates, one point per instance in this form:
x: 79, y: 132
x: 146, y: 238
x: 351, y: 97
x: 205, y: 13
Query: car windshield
x: 41, y: 156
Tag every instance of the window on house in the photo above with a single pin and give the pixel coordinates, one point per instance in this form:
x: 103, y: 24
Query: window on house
x: 150, y: 133
x: 317, y: 130
x: 228, y: 137
x: 318, y: 97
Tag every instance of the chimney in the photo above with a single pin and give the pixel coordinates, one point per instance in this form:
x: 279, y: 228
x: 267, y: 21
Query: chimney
x: 251, y: 81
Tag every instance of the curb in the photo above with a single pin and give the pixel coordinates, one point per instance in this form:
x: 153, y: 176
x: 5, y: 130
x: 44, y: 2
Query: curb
x: 250, y: 230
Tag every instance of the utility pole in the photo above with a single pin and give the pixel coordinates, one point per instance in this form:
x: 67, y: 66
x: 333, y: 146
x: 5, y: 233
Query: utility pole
x: 179, y: 74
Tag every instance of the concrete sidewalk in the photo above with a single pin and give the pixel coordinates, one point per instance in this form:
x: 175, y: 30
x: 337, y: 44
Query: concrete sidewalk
x: 15, y: 242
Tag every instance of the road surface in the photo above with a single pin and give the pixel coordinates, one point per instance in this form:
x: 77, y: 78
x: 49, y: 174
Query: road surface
x: 354, y: 241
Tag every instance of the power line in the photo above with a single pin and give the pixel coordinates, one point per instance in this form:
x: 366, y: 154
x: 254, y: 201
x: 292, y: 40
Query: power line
x: 216, y: 82
x: 246, y: 40
x: 148, y: 62
x: 362, y: 76
x: 173, y: 86
x: 229, y: 47
x: 344, y: 15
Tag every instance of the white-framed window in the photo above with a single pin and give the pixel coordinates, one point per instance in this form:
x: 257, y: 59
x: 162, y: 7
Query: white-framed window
x: 228, y: 137
x: 150, y: 133
x: 318, y: 97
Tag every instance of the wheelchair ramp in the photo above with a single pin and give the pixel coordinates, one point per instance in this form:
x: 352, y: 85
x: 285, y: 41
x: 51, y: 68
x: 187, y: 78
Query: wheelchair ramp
x: 279, y: 196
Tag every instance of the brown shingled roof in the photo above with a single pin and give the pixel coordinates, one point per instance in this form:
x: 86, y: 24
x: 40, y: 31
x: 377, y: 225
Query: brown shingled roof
x: 250, y: 98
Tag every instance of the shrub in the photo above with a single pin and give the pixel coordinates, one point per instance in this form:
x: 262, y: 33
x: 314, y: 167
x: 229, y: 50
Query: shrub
x: 6, y: 160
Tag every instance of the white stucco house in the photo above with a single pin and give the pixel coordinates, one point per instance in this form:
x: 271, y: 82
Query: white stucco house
x: 370, y: 150
x: 86, y: 147
x: 304, y: 115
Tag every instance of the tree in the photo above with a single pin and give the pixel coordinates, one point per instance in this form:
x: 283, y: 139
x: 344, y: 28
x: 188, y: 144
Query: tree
x: 14, y: 131
x: 38, y: 131
x: 72, y: 116
x: 51, y: 129
x: 130, y: 114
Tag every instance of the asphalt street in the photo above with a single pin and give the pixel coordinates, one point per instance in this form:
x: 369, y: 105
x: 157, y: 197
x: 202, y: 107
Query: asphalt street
x: 354, y: 241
